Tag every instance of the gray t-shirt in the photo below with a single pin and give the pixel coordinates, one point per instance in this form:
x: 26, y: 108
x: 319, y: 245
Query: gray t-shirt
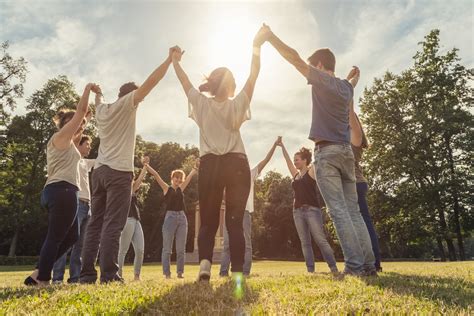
x: 331, y: 98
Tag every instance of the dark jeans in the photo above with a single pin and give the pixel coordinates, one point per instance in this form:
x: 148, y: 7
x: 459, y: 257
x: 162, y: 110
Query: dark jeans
x: 362, y: 189
x: 75, y: 258
x: 216, y: 173
x: 60, y: 199
x: 111, y: 196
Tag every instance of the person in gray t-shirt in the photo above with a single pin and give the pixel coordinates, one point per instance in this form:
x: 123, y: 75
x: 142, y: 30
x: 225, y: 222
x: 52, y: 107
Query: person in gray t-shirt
x: 334, y: 160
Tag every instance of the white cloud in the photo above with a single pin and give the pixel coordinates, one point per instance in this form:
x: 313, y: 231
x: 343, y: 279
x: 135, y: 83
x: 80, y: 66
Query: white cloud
x: 116, y: 41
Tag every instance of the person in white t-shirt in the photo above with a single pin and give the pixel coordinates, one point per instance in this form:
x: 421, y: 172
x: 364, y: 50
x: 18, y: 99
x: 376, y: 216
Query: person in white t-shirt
x: 112, y: 177
x: 224, y: 164
x: 247, y: 222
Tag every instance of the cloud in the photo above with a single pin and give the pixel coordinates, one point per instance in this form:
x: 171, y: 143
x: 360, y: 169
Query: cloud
x: 114, y: 42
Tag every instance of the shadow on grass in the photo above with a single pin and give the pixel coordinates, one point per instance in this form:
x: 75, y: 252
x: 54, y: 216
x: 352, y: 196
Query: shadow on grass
x: 200, y: 298
x: 7, y: 293
x: 451, y: 291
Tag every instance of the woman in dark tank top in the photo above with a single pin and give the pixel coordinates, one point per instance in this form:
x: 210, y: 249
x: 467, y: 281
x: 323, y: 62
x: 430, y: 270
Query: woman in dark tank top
x: 359, y: 143
x: 307, y: 208
x: 176, y: 223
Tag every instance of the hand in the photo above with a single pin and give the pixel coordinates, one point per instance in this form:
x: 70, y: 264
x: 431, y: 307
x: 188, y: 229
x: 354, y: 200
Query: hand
x: 96, y: 89
x: 176, y: 53
x: 262, y: 35
x: 279, y: 141
x: 354, y: 75
x: 196, y: 164
x: 145, y: 160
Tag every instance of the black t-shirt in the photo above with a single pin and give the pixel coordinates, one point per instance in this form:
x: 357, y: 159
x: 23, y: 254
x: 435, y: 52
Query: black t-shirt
x: 134, y: 210
x: 174, y: 200
x: 306, y: 192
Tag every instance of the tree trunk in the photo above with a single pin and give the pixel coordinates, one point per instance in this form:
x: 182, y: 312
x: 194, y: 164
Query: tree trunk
x: 441, y: 249
x: 457, y: 207
x: 447, y: 238
x: 12, y: 251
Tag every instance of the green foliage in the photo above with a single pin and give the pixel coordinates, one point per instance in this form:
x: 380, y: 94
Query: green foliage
x: 12, y: 77
x: 421, y: 130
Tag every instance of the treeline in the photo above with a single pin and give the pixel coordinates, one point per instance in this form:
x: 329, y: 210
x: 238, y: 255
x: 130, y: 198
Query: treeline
x: 419, y: 165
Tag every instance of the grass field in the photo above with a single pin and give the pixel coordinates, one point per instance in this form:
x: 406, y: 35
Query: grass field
x: 274, y: 288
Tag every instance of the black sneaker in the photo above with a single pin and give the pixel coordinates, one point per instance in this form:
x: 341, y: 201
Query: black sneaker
x: 204, y: 270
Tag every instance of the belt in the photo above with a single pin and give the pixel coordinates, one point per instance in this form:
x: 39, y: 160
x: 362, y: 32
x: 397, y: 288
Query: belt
x: 324, y: 143
x: 84, y: 201
x: 233, y: 155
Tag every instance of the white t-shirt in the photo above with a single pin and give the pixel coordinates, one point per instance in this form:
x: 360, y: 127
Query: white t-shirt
x: 116, y: 127
x: 219, y: 122
x: 85, y: 166
x: 253, y: 177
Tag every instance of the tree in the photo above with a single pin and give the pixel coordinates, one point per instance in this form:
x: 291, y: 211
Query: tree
x: 12, y: 77
x: 25, y: 157
x: 421, y: 130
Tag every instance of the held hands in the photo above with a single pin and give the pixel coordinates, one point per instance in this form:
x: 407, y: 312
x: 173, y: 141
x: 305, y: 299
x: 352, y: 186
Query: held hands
x: 196, y: 165
x: 262, y: 35
x: 354, y: 75
x: 279, y: 141
x: 96, y: 88
x: 145, y: 160
x: 175, y: 53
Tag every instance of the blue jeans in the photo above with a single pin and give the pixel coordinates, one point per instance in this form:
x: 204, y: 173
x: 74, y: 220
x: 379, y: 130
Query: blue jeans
x: 362, y: 189
x: 60, y: 199
x: 132, y: 233
x: 75, y: 258
x: 309, y: 222
x: 225, y: 260
x: 174, y: 226
x: 336, y: 180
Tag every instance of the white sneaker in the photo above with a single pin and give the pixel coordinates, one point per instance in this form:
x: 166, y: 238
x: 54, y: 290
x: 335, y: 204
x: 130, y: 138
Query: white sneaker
x: 204, y: 270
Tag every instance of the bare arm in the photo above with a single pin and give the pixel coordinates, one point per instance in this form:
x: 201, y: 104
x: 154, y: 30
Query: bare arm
x: 152, y: 81
x: 259, y: 39
x: 138, y: 182
x: 267, y: 158
x: 353, y: 76
x: 356, y: 128
x: 63, y: 138
x: 188, y: 179
x: 164, y: 186
x: 289, y: 54
x: 289, y: 163
x: 182, y: 76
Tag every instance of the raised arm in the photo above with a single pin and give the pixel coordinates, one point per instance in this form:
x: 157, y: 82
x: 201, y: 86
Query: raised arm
x: 259, y: 39
x: 63, y: 138
x: 289, y: 163
x: 152, y: 80
x: 138, y: 182
x: 289, y: 54
x: 164, y: 186
x: 354, y: 76
x: 269, y: 155
x: 182, y: 76
x: 98, y: 95
x: 356, y: 128
x: 188, y: 179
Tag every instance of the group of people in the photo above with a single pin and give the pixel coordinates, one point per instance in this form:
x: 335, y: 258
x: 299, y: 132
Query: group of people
x: 219, y: 112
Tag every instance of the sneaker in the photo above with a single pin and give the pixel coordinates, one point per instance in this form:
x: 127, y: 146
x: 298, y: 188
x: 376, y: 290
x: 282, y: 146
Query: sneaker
x: 180, y: 276
x: 57, y: 282
x: 204, y: 270
x: 378, y: 269
x: 167, y: 276
x: 352, y: 272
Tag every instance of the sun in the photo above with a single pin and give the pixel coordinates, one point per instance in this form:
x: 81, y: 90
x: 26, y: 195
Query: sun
x: 230, y: 44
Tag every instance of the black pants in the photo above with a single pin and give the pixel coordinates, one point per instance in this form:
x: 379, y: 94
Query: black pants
x: 60, y: 199
x: 111, y: 197
x: 216, y: 173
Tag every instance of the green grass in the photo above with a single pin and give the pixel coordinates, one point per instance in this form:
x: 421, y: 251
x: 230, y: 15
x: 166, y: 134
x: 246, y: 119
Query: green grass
x: 274, y: 288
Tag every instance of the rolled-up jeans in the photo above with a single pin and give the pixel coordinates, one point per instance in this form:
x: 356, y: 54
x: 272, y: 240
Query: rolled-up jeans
x: 309, y: 222
x: 132, y: 233
x: 75, y: 257
x: 225, y: 260
x: 334, y: 165
x: 174, y: 226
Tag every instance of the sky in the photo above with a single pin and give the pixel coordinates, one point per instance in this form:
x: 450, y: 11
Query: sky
x: 113, y: 42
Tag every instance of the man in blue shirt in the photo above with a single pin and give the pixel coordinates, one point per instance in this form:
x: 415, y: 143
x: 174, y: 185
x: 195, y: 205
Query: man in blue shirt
x: 334, y: 160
